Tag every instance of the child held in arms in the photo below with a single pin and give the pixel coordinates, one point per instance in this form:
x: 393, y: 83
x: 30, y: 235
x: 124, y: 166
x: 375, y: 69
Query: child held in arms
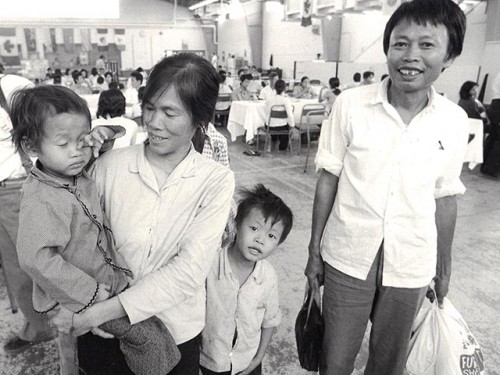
x: 242, y: 288
x: 64, y: 241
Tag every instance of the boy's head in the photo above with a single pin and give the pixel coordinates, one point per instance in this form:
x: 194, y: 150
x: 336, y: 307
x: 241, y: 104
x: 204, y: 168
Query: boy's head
x: 431, y: 13
x: 49, y: 123
x: 263, y: 221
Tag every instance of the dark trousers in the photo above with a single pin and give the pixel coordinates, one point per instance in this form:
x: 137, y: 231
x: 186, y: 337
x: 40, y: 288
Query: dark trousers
x: 205, y: 371
x: 491, y: 151
x: 283, y: 138
x: 98, y: 356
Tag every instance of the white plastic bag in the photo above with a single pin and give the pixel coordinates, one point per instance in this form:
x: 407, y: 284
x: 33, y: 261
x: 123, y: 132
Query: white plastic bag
x: 443, y: 344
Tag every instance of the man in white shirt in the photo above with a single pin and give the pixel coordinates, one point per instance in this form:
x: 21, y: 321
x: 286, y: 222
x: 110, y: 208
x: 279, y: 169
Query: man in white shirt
x: 385, y: 206
x: 13, y: 171
x: 269, y: 91
x: 132, y: 94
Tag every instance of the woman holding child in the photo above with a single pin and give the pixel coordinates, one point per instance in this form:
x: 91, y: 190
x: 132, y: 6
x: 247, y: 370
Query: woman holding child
x: 167, y: 206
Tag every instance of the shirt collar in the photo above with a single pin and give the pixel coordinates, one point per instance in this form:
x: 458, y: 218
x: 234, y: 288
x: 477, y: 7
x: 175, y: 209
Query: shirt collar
x: 225, y: 267
x: 382, y: 94
x: 185, y: 169
x: 53, y: 181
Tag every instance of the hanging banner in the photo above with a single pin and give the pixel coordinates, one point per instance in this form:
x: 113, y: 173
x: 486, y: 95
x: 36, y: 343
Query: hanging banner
x: 30, y: 35
x: 102, y: 39
x: 53, y: 42
x: 306, y: 13
x: 69, y: 41
x: 120, y: 39
x: 9, y: 52
x: 85, y: 39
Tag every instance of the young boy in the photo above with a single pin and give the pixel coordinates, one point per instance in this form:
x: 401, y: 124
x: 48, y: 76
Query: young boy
x: 242, y: 288
x: 64, y: 241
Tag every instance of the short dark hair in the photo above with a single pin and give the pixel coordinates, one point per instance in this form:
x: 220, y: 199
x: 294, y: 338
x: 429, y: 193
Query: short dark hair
x: 93, y: 71
x: 113, y: 85
x: 138, y: 76
x: 303, y: 79
x: 280, y: 86
x: 31, y: 107
x: 100, y: 80
x: 433, y: 12
x: 222, y: 77
x: 241, y: 71
x: 368, y: 74
x: 140, y: 93
x: 271, y: 206
x: 195, y: 81
x: 465, y: 89
x: 108, y: 74
x: 75, y: 74
x: 245, y: 77
x: 356, y: 77
x: 334, y: 82
x: 111, y: 103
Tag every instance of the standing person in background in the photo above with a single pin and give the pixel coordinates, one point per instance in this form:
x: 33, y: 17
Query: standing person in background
x: 100, y: 63
x: 162, y: 183
x: 384, y: 219
x: 13, y: 171
x: 131, y: 94
x: 215, y: 61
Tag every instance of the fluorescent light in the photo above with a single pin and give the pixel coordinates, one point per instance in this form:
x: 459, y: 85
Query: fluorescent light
x: 202, y: 4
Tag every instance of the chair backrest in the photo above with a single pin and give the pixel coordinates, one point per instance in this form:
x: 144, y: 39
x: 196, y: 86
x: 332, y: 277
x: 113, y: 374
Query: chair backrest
x: 277, y: 112
x: 312, y: 114
x: 322, y: 93
x: 224, y: 98
x: 315, y: 82
x: 494, y: 111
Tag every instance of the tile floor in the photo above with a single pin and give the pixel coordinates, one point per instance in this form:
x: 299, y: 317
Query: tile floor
x: 475, y: 287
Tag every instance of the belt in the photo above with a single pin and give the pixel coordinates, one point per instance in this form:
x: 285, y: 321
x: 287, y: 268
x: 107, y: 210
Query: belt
x: 12, y: 181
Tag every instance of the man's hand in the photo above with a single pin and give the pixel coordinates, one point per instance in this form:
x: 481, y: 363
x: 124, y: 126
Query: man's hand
x: 315, y: 272
x: 253, y: 364
x: 441, y: 285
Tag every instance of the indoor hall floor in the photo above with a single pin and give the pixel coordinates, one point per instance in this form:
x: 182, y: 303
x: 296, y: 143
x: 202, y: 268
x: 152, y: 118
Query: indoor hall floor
x: 475, y: 285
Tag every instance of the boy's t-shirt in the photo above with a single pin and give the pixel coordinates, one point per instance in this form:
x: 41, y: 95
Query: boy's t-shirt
x: 65, y: 244
x: 235, y: 315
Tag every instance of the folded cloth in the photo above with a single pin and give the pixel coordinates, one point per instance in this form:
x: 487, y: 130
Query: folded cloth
x: 148, y: 347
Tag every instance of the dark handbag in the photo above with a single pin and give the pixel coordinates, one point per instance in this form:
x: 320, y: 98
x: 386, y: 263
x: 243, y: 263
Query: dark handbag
x: 309, y: 328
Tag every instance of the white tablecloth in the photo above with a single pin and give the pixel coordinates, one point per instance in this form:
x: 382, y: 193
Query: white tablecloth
x: 474, y: 153
x: 247, y: 116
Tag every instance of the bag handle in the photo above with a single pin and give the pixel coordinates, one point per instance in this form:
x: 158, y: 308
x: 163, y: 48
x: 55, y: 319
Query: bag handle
x: 309, y: 298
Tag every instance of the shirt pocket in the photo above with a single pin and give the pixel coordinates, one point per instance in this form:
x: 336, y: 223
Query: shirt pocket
x: 424, y: 161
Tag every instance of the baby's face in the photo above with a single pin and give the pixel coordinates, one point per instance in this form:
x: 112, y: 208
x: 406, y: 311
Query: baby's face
x: 60, y: 151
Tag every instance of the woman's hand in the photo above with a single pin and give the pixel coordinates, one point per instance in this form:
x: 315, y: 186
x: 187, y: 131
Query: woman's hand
x: 96, y: 138
x: 73, y: 324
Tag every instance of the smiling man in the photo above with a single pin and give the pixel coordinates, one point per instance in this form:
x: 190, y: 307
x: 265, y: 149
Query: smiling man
x: 385, y: 209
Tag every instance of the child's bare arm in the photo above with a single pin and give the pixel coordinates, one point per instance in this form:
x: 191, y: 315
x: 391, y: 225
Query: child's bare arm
x: 101, y: 137
x: 265, y: 339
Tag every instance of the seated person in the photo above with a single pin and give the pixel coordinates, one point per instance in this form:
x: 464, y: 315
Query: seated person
x: 79, y: 86
x: 223, y: 89
x: 368, y: 78
x: 136, y: 108
x: 111, y: 111
x: 269, y: 91
x: 303, y: 91
x: 329, y: 95
x: 242, y: 93
x: 131, y: 94
x: 280, y: 123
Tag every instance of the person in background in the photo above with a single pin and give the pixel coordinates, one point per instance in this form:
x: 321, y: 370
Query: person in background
x: 368, y: 78
x: 390, y: 158
x: 304, y: 91
x: 100, y: 63
x: 269, y: 91
x: 102, y: 85
x: 162, y: 183
x: 108, y: 77
x: 242, y: 93
x: 93, y: 79
x: 137, y: 107
x: 79, y: 86
x: 242, y: 288
x: 14, y: 167
x: 280, y: 123
x: 331, y: 94
x: 214, y: 60
x: 131, y: 94
x: 471, y: 105
x: 67, y: 78
x: 111, y: 111
x: 86, y: 78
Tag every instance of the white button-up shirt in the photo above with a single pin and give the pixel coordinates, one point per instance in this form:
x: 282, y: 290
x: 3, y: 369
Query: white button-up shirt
x: 389, y: 177
x: 231, y: 308
x: 168, y: 235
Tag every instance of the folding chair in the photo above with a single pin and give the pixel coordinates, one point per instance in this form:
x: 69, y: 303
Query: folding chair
x: 223, y: 113
x: 277, y: 112
x: 315, y: 82
x: 311, y: 119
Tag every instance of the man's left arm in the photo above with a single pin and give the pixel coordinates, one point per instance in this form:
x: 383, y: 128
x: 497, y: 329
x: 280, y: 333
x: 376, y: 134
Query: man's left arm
x: 446, y: 216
